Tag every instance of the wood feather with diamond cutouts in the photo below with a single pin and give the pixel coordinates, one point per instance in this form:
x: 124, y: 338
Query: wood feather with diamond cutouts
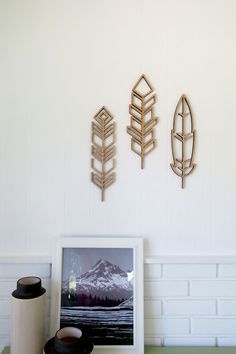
x: 103, y: 151
x: 183, y: 140
x: 142, y: 121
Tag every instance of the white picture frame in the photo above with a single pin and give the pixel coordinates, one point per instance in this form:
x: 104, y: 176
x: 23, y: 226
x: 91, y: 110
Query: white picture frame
x: 83, y: 252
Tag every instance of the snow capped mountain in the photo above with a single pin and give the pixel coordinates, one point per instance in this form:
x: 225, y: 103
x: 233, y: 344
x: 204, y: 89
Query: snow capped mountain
x: 105, y: 279
x: 105, y: 275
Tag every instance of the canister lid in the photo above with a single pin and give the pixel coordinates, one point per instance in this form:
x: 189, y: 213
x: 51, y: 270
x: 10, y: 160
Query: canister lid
x: 28, y: 288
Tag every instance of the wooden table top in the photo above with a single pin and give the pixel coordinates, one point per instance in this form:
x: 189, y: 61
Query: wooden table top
x: 176, y: 350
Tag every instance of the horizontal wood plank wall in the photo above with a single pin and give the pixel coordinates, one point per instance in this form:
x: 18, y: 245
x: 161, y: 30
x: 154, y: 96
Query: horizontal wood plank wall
x: 188, y: 300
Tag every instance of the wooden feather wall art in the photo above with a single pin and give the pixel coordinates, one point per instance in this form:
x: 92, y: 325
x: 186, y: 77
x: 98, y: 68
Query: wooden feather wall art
x: 103, y: 151
x: 142, y: 121
x: 183, y: 140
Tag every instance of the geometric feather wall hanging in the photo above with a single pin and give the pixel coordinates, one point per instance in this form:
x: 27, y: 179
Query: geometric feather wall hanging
x: 142, y: 121
x: 183, y: 140
x: 103, y: 151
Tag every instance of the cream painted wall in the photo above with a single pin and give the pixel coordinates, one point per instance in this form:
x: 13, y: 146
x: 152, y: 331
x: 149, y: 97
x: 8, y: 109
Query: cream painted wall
x: 60, y: 61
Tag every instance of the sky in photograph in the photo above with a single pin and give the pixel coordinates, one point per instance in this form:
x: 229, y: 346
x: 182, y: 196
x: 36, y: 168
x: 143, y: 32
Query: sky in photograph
x: 80, y: 260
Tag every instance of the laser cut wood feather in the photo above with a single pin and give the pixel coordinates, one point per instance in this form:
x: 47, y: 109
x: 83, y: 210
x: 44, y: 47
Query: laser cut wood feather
x: 183, y: 140
x: 103, y: 151
x: 142, y: 121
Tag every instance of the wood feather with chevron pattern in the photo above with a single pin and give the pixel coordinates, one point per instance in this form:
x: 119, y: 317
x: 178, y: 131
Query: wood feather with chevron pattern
x: 142, y: 121
x: 183, y: 140
x: 103, y: 151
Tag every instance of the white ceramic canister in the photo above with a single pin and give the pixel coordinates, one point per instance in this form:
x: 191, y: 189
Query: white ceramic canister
x: 28, y: 317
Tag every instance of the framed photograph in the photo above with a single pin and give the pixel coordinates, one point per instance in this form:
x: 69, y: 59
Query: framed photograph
x: 97, y: 286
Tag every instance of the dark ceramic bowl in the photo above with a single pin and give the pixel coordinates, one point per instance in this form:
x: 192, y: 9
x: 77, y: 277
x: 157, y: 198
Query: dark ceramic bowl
x: 68, y: 340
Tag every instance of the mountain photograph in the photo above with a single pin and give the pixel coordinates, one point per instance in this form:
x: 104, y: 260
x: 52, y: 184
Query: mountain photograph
x: 97, y: 293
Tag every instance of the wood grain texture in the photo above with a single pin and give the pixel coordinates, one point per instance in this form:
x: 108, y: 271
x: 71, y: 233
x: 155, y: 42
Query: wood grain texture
x: 183, y: 140
x: 142, y: 121
x: 103, y: 151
